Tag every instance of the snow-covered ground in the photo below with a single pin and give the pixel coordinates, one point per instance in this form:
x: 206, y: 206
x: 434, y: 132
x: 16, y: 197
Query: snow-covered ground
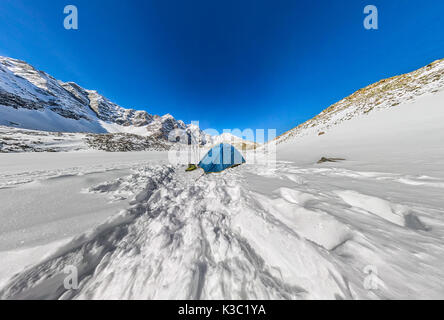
x: 368, y: 227
x: 369, y: 224
x: 45, y: 199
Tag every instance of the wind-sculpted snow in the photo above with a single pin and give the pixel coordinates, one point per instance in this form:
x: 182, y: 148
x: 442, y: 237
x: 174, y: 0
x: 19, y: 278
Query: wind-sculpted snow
x: 252, y: 232
x: 184, y: 240
x: 22, y: 169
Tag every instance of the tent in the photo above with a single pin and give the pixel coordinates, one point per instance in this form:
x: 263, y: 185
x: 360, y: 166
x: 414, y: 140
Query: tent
x: 220, y: 158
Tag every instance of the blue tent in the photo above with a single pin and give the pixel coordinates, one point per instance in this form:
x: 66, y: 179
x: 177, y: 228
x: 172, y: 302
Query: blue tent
x: 220, y: 158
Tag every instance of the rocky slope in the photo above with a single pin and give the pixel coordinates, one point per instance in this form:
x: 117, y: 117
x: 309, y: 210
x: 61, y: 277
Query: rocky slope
x: 14, y: 140
x: 32, y: 99
x: 388, y: 93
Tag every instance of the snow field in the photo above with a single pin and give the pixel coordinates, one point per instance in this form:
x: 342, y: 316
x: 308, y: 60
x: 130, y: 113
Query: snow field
x: 250, y: 234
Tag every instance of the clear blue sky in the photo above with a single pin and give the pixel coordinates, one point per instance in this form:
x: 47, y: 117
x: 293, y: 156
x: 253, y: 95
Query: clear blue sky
x: 228, y: 63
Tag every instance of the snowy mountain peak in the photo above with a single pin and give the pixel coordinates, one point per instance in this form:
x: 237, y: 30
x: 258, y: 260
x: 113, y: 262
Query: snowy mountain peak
x: 26, y: 71
x: 32, y: 99
x: 167, y: 116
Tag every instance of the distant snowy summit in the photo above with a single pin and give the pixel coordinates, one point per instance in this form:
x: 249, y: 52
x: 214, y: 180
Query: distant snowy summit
x: 32, y: 99
x: 389, y: 93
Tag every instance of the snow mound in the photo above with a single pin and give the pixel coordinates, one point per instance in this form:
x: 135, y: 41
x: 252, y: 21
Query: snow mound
x: 382, y: 208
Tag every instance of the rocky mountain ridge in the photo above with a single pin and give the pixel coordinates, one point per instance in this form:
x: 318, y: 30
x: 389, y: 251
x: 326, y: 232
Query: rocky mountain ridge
x: 388, y: 93
x: 32, y: 99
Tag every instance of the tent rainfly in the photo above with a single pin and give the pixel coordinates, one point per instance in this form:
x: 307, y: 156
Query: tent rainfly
x: 220, y: 158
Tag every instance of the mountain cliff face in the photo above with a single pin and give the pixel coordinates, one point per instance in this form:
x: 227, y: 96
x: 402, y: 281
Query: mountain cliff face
x: 394, y: 92
x: 32, y: 99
